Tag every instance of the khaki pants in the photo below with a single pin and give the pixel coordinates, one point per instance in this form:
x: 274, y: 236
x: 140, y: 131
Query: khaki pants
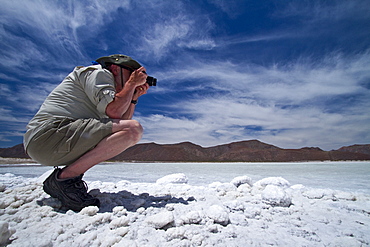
x: 63, y: 141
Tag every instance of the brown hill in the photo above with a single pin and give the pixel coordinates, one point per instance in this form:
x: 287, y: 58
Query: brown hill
x: 244, y: 151
x: 360, y: 149
x: 14, y: 152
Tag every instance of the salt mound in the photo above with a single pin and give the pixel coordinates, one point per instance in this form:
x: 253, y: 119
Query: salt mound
x: 90, y: 211
x: 276, y: 196
x: 277, y: 181
x: 241, y: 180
x: 5, y: 233
x: 218, y: 214
x: 160, y: 220
x: 178, y: 178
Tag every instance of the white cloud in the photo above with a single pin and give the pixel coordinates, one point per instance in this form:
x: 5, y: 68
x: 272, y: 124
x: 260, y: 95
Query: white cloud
x: 164, y: 34
x: 26, y: 96
x: 293, y: 83
x: 179, y: 32
x: 168, y: 29
x: 289, y: 105
x: 222, y: 121
x: 38, y: 31
x: 34, y: 97
x: 6, y: 115
x: 206, y: 44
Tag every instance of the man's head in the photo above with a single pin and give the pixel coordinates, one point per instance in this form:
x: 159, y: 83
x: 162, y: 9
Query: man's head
x: 120, y: 60
x: 125, y: 62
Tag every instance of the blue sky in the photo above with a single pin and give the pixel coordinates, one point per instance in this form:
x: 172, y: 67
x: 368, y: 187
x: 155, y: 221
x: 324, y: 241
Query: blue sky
x: 288, y: 73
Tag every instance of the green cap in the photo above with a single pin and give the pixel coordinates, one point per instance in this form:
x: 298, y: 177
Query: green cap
x: 119, y: 59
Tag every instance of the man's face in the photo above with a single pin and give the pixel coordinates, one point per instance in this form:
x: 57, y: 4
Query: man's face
x: 127, y: 70
x: 126, y: 74
x: 122, y: 74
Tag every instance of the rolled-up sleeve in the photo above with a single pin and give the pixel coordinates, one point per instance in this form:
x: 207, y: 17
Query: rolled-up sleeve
x: 106, y: 97
x: 100, y: 89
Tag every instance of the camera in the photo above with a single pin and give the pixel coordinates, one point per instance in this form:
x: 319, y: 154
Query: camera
x: 151, y: 81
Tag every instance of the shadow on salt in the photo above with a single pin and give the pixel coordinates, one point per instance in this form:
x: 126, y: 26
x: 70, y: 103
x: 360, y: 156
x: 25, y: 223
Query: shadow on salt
x: 126, y: 199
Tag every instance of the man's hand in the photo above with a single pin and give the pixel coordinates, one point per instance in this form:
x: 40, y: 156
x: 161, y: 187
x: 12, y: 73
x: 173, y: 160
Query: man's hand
x: 140, y: 90
x: 138, y: 77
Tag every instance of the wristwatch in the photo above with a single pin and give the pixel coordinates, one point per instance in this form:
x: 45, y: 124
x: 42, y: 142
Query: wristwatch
x: 134, y: 102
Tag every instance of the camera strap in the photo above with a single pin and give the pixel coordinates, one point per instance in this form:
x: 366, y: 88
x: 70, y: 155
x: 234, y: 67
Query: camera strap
x: 121, y: 78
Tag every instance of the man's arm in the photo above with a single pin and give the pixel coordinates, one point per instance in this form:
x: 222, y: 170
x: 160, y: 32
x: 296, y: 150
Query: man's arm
x: 120, y: 107
x: 141, y: 90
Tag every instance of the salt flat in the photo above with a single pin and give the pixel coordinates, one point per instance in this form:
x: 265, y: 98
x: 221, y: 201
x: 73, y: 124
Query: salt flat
x: 170, y: 212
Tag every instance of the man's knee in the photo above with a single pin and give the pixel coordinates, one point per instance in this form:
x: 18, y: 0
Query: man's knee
x: 136, y: 130
x: 131, y: 129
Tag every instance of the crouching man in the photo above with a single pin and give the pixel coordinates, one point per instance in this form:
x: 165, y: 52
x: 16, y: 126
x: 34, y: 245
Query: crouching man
x: 86, y: 120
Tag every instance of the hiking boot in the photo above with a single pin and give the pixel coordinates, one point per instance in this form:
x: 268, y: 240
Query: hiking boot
x: 71, y: 192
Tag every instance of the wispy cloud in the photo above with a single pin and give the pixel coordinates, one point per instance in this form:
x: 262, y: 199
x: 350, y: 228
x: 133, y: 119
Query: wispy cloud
x: 290, y: 105
x: 163, y: 35
x: 296, y: 82
x: 37, y: 32
x: 160, y: 30
x: 177, y: 32
x: 317, y: 11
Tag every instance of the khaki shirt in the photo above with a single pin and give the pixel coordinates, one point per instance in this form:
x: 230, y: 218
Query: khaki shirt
x: 84, y: 93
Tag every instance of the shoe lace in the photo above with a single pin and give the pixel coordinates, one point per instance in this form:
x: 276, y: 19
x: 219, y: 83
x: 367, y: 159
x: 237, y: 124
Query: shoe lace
x: 78, y: 186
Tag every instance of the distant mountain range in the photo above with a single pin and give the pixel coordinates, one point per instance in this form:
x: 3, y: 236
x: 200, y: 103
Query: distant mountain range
x: 244, y: 151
